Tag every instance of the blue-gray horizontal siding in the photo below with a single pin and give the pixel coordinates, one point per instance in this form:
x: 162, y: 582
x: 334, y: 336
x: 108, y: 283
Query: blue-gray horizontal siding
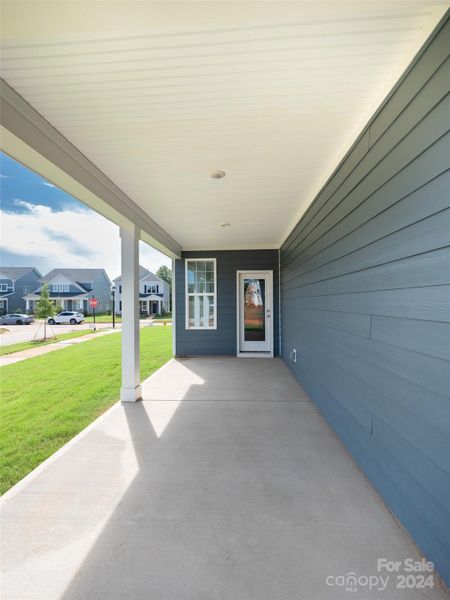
x: 365, y: 288
x: 16, y: 302
x: 222, y: 341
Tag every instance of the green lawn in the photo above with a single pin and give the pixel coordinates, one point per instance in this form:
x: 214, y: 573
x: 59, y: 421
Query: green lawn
x: 46, y: 400
x: 101, y: 319
x: 166, y: 317
x: 26, y: 345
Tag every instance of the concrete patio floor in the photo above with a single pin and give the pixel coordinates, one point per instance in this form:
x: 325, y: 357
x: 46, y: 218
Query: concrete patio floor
x: 224, y: 483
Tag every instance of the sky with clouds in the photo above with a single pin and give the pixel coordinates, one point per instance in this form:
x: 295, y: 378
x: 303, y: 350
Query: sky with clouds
x: 44, y: 227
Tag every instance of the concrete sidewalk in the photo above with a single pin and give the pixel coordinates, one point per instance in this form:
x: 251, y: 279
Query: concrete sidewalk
x: 225, y: 483
x: 16, y: 334
x: 15, y: 357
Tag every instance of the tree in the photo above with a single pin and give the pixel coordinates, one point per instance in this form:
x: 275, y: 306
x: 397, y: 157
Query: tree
x: 44, y: 307
x: 165, y: 274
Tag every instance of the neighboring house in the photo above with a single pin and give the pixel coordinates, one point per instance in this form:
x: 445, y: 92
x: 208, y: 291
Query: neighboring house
x: 71, y: 289
x: 15, y: 282
x: 153, y: 293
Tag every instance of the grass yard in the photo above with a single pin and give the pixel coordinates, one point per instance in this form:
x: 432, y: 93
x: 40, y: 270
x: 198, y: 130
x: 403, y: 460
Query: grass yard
x: 27, y: 345
x: 102, y: 319
x: 46, y: 400
x: 166, y: 317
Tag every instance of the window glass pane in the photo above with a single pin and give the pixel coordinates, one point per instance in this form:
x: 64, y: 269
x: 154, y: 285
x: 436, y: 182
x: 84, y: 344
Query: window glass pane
x: 192, y: 322
x: 200, y: 291
x: 210, y: 311
x: 200, y: 282
x: 209, y: 286
x: 191, y: 269
x: 196, y: 311
x: 201, y: 308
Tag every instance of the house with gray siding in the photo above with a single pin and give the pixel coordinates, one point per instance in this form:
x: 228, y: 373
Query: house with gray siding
x: 15, y: 282
x: 153, y: 293
x: 360, y: 300
x: 71, y: 289
x: 302, y: 190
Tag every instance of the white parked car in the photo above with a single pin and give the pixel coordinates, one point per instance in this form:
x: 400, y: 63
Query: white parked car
x: 67, y: 316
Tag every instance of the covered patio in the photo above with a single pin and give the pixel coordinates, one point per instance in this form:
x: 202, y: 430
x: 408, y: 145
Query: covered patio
x: 292, y: 159
x: 224, y: 482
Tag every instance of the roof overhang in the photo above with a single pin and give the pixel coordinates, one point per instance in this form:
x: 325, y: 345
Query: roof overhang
x: 129, y: 106
x: 31, y: 140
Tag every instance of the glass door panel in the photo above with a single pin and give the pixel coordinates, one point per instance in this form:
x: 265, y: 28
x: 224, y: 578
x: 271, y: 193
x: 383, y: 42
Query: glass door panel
x: 254, y: 311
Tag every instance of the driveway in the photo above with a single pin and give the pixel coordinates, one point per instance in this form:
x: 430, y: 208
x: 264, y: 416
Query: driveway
x: 225, y: 483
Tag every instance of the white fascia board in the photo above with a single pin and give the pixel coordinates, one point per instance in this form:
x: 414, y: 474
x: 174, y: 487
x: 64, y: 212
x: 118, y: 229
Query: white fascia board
x: 31, y: 140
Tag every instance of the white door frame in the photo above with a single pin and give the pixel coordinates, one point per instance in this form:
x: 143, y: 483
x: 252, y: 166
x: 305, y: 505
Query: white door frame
x: 269, y: 318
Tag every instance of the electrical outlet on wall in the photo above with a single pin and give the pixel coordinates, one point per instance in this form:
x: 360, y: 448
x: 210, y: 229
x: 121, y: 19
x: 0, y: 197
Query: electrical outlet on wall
x: 293, y: 355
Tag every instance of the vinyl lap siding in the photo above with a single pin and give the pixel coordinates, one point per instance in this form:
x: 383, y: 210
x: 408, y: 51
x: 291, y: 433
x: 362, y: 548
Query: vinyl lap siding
x: 365, y: 282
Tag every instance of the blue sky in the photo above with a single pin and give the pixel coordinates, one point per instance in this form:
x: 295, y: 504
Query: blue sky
x: 18, y: 182
x: 44, y: 227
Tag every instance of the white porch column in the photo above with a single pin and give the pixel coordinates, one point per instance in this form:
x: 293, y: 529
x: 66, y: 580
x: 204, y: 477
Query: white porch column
x: 172, y: 307
x: 27, y: 305
x: 131, y: 381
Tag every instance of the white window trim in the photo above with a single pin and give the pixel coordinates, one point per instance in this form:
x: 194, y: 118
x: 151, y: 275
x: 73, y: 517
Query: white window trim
x: 3, y: 287
x: 186, y: 294
x: 151, y: 288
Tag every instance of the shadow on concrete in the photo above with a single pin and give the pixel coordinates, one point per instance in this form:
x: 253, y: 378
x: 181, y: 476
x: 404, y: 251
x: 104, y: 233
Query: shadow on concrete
x: 238, y: 498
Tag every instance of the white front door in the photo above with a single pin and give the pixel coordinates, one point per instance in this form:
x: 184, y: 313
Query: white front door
x: 255, y: 308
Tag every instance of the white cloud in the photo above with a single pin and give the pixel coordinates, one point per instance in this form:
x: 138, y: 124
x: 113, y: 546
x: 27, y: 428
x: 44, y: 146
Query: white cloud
x: 70, y: 238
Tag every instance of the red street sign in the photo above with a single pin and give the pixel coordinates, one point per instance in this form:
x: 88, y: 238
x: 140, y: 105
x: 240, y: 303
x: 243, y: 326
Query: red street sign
x: 93, y: 302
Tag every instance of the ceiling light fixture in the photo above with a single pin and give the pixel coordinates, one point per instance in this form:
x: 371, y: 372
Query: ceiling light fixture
x: 225, y: 224
x: 218, y: 174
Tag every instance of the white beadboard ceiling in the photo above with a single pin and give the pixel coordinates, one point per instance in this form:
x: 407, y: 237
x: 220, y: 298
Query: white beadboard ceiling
x: 159, y: 94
